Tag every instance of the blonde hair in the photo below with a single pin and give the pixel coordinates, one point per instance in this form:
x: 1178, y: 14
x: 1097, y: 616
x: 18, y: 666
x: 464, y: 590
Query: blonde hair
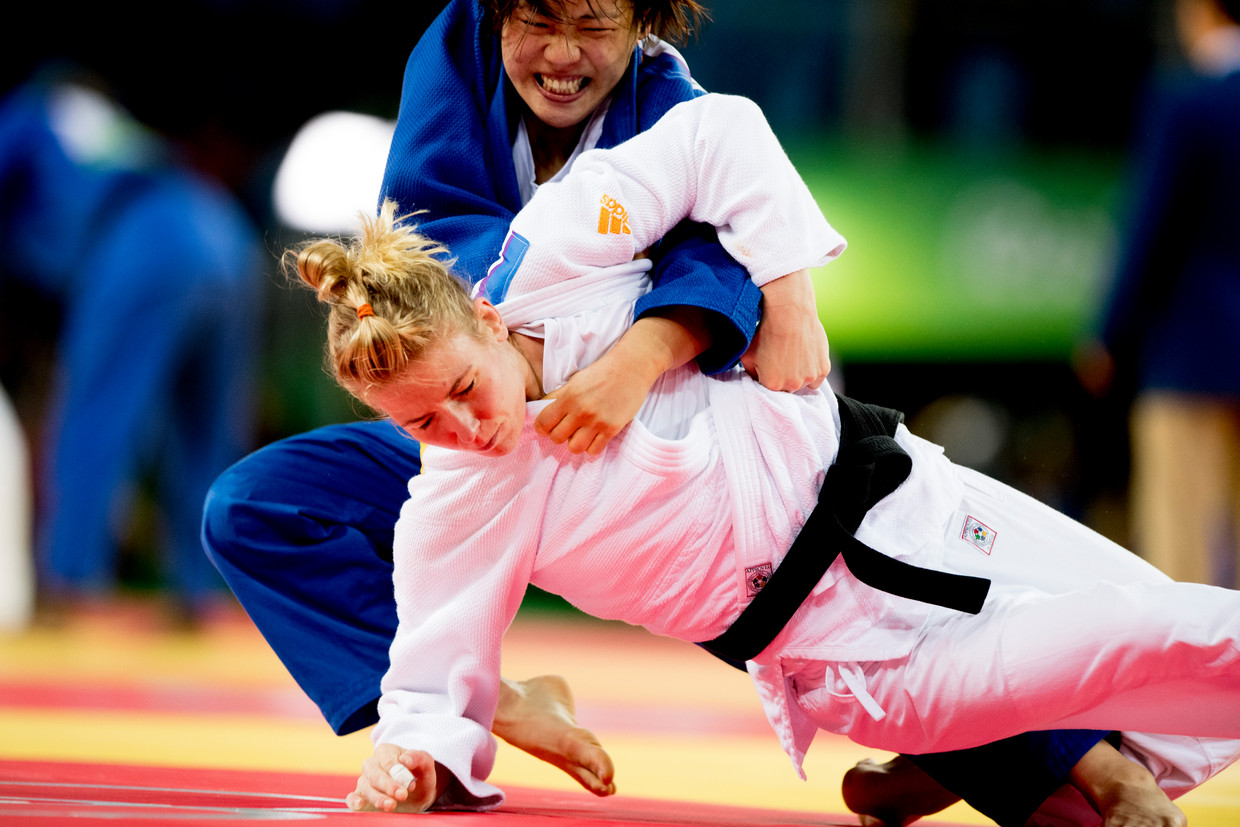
x: 404, y: 277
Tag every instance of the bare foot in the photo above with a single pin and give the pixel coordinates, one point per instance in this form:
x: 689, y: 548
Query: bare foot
x: 538, y: 716
x: 1143, y: 807
x: 893, y: 794
x: 1122, y: 791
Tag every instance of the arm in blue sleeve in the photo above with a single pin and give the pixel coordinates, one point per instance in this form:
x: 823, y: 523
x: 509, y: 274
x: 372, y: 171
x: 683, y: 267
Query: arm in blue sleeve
x: 1008, y: 780
x: 692, y: 269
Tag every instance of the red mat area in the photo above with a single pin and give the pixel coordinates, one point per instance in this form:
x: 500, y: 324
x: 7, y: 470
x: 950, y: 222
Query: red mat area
x: 40, y: 793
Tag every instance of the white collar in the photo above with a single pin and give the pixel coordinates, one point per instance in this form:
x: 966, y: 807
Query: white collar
x: 523, y: 155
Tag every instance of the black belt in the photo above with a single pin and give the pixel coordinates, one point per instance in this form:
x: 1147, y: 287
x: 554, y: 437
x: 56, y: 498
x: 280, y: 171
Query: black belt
x: 870, y: 466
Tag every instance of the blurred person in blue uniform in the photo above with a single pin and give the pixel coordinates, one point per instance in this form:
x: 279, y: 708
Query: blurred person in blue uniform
x: 1171, y: 329
x: 152, y: 270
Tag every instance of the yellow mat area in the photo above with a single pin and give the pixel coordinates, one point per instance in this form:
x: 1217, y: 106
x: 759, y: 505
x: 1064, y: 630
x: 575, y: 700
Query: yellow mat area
x: 162, y: 698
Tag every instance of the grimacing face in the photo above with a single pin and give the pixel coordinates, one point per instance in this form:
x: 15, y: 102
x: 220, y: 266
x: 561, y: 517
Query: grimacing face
x: 563, y: 69
x: 465, y: 392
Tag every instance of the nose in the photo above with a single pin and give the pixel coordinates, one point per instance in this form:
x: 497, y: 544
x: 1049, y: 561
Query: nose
x: 563, y: 48
x: 460, y: 425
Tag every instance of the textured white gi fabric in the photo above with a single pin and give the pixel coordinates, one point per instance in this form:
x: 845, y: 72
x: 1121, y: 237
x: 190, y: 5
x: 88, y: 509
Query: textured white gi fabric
x: 1056, y: 582
x: 735, y: 177
x: 717, y: 475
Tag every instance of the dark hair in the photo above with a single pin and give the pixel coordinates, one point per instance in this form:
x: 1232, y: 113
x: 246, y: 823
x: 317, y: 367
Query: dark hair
x: 671, y: 20
x: 1231, y: 8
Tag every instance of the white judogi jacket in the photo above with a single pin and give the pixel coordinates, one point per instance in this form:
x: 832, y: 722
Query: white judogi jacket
x: 714, y: 477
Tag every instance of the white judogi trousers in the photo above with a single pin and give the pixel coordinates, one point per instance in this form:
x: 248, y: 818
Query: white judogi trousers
x: 1078, y: 633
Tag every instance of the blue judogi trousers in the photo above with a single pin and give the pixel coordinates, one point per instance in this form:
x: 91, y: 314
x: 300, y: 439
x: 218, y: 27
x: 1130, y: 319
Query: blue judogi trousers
x: 302, y: 532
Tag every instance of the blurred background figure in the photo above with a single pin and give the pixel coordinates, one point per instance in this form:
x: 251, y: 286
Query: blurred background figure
x: 16, y: 572
x: 141, y: 295
x: 1171, y: 328
x: 148, y: 273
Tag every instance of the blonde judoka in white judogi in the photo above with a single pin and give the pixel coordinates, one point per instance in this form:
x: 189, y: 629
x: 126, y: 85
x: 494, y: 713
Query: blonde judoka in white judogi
x: 717, y: 475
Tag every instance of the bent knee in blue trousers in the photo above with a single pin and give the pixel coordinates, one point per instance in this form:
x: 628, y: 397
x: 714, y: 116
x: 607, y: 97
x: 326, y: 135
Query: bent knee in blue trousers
x: 301, y: 530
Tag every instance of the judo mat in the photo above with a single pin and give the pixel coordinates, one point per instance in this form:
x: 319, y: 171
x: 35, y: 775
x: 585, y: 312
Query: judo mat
x: 109, y: 717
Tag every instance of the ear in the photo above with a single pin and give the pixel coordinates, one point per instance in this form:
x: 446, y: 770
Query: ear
x: 490, y: 318
x: 642, y: 27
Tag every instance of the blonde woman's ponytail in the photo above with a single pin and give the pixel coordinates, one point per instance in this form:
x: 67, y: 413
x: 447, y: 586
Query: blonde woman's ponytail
x: 390, y: 293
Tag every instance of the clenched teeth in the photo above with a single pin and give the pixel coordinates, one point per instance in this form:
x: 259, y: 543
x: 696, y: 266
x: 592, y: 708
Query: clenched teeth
x: 562, y: 86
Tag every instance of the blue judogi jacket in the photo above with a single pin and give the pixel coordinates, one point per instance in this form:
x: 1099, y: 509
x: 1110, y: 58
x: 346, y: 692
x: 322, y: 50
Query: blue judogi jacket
x: 452, y: 157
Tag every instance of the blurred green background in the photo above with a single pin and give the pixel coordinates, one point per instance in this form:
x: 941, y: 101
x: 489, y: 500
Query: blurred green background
x: 951, y: 259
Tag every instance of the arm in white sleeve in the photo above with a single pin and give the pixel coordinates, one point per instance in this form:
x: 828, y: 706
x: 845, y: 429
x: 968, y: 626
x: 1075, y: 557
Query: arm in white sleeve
x: 458, y: 584
x: 714, y: 160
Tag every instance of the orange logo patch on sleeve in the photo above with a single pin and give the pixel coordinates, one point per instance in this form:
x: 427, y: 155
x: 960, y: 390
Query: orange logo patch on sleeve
x: 613, y: 217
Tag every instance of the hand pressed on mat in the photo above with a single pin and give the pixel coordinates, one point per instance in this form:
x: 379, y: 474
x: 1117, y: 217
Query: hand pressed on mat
x: 384, y: 786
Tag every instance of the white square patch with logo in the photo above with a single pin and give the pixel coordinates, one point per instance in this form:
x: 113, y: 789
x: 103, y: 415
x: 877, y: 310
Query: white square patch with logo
x: 756, y: 578
x: 978, y: 534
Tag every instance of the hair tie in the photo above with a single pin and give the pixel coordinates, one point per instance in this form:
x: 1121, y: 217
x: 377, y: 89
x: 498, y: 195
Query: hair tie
x: 364, y: 310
